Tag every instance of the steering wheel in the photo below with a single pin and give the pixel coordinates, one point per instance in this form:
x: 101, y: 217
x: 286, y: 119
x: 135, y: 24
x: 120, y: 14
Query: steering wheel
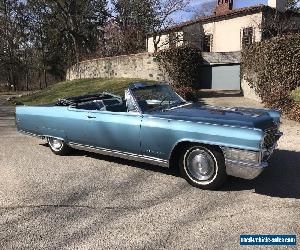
x: 164, y: 100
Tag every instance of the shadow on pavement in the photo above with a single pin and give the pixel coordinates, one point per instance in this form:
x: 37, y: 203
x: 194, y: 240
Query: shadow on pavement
x: 121, y: 161
x: 219, y: 93
x: 280, y: 179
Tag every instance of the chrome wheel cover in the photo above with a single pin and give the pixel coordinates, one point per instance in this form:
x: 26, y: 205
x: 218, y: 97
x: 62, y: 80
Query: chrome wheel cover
x: 55, y: 144
x: 200, y: 165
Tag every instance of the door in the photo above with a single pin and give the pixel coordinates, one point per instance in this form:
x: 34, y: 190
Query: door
x: 114, y: 130
x: 221, y: 77
x: 74, y: 123
x: 156, y: 137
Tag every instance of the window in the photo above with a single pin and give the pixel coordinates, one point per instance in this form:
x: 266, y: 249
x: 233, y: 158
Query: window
x: 247, y: 36
x: 207, y: 43
x: 91, y: 105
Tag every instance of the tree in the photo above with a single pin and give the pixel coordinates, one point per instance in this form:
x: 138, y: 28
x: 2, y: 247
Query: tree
x: 65, y: 32
x: 41, y: 38
x: 82, y: 22
x: 277, y: 23
x: 293, y: 5
x: 164, y: 11
x: 135, y: 18
x: 14, y: 40
x: 205, y: 9
x: 113, y: 40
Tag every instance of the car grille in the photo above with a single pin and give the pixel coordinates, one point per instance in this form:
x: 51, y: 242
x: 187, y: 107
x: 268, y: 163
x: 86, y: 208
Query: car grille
x: 270, y: 137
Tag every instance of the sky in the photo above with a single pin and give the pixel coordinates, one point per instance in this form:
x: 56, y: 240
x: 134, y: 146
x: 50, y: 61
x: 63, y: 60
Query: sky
x: 195, y: 4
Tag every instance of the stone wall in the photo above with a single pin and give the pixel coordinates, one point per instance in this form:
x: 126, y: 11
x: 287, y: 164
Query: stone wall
x: 145, y: 66
x: 142, y: 66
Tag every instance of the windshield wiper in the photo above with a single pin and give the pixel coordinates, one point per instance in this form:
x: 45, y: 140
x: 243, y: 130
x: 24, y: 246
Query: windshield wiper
x: 160, y: 104
x: 177, y: 104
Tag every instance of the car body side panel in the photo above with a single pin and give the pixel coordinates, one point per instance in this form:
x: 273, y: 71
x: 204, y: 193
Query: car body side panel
x: 147, y: 135
x: 43, y: 120
x: 156, y: 137
x: 114, y: 130
x: 160, y: 136
x: 118, y: 131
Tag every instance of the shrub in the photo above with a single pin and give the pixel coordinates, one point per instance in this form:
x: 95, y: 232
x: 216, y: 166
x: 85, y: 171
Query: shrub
x: 272, y: 68
x: 182, y: 65
x: 296, y: 94
x: 188, y: 93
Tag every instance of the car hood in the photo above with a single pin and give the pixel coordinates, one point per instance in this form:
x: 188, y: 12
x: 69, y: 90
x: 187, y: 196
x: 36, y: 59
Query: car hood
x: 245, y: 117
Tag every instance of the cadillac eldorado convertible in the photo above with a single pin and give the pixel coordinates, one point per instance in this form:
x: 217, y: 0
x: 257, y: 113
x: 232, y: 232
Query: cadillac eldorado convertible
x: 153, y: 124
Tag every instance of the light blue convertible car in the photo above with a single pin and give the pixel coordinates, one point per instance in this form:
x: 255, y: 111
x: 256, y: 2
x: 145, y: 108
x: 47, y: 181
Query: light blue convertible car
x: 154, y: 124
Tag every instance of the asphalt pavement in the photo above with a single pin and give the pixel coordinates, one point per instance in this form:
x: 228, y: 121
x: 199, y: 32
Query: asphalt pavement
x: 89, y: 201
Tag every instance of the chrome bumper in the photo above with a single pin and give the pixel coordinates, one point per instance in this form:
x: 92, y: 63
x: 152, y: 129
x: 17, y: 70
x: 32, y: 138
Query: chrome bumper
x: 244, y: 170
x: 248, y: 170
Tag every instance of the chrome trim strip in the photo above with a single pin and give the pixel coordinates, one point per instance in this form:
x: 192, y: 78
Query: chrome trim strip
x: 124, y: 155
x: 247, y: 164
x: 31, y: 134
x: 40, y: 136
x: 180, y: 106
x: 135, y: 103
x: 150, y: 116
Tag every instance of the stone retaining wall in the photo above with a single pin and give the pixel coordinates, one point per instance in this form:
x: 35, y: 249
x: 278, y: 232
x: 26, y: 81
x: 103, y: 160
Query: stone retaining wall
x: 142, y: 66
x: 145, y: 66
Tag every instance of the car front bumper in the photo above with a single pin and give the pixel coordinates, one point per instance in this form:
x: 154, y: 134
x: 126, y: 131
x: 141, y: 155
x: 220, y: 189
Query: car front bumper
x: 246, y: 169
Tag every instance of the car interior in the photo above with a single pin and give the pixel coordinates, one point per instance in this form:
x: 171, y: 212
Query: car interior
x: 101, y: 102
x: 112, y: 105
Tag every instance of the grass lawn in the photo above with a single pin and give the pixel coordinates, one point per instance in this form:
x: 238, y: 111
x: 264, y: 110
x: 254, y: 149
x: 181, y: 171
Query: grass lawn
x: 296, y: 94
x: 76, y: 87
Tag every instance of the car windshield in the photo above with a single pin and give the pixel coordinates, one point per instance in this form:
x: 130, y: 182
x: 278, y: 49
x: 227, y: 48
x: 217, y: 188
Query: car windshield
x: 155, y: 97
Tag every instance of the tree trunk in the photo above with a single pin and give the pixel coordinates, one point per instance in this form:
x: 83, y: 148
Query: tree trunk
x: 45, y: 78
x: 27, y: 84
x: 156, y: 42
x: 40, y: 79
x: 76, y: 49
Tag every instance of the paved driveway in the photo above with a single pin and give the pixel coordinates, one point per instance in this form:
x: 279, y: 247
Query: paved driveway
x: 87, y: 201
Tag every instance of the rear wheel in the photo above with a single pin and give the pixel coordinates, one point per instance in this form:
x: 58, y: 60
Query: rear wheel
x: 203, y: 166
x: 57, y: 146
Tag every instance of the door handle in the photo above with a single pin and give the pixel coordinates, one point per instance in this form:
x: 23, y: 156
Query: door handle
x: 91, y: 117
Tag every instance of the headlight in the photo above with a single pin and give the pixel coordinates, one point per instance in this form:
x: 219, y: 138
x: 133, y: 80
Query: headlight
x: 242, y: 155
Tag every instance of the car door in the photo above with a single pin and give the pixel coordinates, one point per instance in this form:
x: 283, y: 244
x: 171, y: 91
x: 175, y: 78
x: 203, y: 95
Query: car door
x: 75, y: 126
x: 157, y: 137
x: 114, y: 130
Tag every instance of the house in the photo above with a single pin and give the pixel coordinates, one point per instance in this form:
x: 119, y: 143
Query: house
x: 228, y: 29
x: 225, y: 33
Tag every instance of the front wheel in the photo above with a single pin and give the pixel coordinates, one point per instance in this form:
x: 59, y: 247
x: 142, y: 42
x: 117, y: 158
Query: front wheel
x: 57, y: 146
x: 203, y: 166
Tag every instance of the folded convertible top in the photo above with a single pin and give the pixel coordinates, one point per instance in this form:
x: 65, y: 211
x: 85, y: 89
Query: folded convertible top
x: 85, y: 98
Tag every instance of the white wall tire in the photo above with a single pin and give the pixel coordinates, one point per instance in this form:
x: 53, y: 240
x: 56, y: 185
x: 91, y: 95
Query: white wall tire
x: 57, y: 146
x: 203, y: 166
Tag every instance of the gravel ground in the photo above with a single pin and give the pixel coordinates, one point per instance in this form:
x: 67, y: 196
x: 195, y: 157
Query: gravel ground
x: 88, y: 201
